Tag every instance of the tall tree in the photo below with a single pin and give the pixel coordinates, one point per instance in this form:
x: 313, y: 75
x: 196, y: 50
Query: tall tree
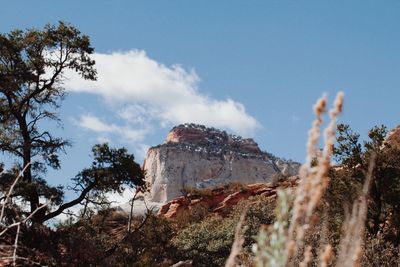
x: 384, y: 196
x: 32, y: 67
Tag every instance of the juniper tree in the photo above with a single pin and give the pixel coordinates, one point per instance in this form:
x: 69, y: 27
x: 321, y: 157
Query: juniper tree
x: 384, y: 197
x: 32, y: 67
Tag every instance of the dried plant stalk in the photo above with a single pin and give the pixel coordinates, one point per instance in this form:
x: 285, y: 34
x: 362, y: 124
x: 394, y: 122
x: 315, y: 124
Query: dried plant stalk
x: 307, y: 257
x: 313, y: 180
x: 270, y: 249
x: 326, y: 256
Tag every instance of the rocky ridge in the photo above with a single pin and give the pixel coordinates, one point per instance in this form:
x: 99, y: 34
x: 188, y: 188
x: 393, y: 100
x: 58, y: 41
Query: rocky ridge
x: 195, y: 156
x: 219, y: 200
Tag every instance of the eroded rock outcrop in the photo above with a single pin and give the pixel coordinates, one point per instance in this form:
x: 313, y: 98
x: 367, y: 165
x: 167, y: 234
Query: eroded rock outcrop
x: 221, y: 200
x: 194, y: 156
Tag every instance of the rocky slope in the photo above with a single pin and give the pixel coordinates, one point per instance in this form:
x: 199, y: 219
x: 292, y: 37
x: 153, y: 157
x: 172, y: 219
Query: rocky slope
x: 221, y: 200
x: 194, y: 156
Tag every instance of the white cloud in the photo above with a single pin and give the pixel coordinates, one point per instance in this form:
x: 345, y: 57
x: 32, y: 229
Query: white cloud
x: 117, y: 199
x: 144, y: 92
x: 95, y: 124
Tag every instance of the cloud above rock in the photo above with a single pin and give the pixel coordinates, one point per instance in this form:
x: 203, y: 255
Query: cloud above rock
x: 143, y: 91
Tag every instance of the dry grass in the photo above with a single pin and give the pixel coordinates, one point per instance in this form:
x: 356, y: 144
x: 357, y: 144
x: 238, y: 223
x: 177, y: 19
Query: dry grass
x: 326, y: 256
x: 314, y: 181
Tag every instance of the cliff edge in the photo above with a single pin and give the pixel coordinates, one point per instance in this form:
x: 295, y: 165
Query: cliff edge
x: 195, y: 156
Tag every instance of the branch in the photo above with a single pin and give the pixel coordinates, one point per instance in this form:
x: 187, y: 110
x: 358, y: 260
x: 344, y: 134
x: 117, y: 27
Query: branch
x: 22, y: 259
x: 41, y: 115
x: 10, y: 192
x: 105, y: 202
x: 69, y: 204
x: 24, y: 220
x: 57, y: 71
x: 42, y: 135
x: 11, y: 196
x: 11, y: 149
x: 17, y: 224
x: 131, y: 211
x: 16, y: 245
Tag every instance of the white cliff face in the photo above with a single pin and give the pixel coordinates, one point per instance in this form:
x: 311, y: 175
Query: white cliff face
x: 197, y: 157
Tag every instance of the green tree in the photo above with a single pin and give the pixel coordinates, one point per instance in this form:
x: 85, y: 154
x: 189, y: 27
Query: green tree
x: 111, y: 170
x: 348, y: 149
x: 384, y: 197
x: 32, y: 67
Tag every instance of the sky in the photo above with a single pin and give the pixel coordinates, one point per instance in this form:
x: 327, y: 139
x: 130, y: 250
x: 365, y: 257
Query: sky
x: 253, y: 68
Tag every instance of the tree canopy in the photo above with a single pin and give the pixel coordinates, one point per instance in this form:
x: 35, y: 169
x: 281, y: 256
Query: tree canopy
x: 384, y: 198
x: 33, y: 64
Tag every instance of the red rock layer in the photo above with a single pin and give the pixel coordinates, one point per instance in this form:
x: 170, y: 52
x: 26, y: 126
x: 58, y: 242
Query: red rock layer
x: 198, y: 135
x: 220, y: 201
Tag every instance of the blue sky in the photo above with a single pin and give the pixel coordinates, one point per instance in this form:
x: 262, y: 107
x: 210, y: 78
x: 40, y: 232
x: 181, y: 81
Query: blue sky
x: 252, y: 67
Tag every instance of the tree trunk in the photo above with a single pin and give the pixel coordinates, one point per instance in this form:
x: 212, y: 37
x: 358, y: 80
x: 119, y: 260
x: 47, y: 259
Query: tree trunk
x: 33, y: 195
x: 27, y: 161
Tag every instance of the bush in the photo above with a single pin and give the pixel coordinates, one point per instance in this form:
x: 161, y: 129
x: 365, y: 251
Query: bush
x: 208, y: 242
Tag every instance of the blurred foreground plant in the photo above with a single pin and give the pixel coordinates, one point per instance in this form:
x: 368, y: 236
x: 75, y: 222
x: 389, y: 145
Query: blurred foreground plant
x: 270, y: 249
x: 286, y: 243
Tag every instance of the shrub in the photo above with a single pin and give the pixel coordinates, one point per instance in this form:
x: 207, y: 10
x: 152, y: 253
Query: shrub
x: 208, y: 242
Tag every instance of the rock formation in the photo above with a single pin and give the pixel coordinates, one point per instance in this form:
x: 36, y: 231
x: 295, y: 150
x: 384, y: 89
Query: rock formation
x: 194, y: 156
x: 220, y: 200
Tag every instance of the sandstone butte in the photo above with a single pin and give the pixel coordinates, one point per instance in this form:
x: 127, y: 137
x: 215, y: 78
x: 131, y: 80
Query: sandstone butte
x: 218, y: 199
x: 197, y: 157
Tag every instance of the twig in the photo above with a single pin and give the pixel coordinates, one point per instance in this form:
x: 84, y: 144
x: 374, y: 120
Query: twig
x: 18, y: 223
x: 23, y: 221
x: 16, y: 245
x: 24, y: 259
x: 11, y: 190
x: 131, y: 211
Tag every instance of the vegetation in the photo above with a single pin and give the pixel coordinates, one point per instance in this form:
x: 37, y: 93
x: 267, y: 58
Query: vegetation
x: 208, y: 245
x: 342, y: 215
x: 32, y: 64
x: 32, y: 67
x: 331, y: 231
